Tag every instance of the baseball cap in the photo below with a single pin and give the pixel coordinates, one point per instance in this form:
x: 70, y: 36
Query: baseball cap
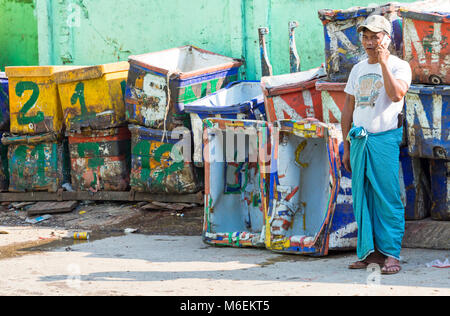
x: 376, y: 23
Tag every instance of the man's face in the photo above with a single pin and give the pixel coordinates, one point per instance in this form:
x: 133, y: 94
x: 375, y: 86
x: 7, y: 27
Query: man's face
x: 370, y: 41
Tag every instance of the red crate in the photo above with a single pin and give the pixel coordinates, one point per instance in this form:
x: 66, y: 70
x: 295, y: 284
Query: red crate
x: 293, y: 96
x: 426, y: 48
x: 333, y: 100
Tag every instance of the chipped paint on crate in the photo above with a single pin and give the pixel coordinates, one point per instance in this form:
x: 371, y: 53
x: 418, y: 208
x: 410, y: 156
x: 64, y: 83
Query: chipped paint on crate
x: 440, y: 189
x: 100, y: 159
x: 161, y: 162
x: 344, y: 231
x: 4, y: 172
x: 414, y: 185
x: 426, y: 36
x: 302, y: 197
x: 428, y: 121
x: 238, y: 100
x: 4, y: 103
x: 333, y: 100
x: 36, y: 163
x: 35, y: 106
x: 293, y: 96
x: 93, y: 97
x: 343, y: 47
x: 160, y: 83
x: 235, y: 194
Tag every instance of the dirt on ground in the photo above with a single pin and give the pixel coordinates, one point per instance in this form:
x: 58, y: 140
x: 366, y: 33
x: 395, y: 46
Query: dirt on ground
x: 100, y: 219
x: 113, y: 217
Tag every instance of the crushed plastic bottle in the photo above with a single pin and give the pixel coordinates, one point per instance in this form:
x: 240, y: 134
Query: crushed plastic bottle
x: 438, y: 264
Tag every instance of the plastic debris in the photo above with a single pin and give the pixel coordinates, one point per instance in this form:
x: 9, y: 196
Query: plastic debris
x: 68, y: 187
x: 130, y: 230
x: 438, y: 264
x: 37, y: 219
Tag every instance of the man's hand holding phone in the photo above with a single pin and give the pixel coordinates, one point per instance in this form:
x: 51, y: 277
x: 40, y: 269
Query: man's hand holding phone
x: 382, y: 49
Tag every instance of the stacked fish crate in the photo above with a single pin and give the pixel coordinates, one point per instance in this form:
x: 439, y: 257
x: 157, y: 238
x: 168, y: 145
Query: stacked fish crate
x: 37, y: 153
x: 426, y: 31
x: 93, y: 109
x: 158, y: 86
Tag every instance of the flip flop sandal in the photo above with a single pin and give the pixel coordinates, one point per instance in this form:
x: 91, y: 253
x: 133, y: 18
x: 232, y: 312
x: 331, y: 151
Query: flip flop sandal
x: 385, y: 268
x: 358, y: 265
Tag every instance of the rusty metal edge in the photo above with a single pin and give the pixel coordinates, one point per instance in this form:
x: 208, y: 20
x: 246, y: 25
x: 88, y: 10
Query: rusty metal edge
x: 100, y: 196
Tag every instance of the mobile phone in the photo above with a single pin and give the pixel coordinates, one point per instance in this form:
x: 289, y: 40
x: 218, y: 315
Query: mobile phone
x: 385, y: 41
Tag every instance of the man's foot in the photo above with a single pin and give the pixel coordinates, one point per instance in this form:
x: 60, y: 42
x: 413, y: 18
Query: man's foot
x: 358, y: 265
x: 375, y: 257
x: 391, y: 266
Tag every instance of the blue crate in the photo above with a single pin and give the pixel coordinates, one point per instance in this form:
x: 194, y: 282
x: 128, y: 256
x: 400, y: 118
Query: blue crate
x: 238, y: 100
x: 428, y: 121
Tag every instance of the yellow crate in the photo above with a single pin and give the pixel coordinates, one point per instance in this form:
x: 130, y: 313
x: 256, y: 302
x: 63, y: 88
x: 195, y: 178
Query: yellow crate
x: 34, y: 102
x: 93, y: 97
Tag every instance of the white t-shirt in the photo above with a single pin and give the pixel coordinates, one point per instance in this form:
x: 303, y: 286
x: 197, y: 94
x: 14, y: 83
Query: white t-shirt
x: 374, y: 110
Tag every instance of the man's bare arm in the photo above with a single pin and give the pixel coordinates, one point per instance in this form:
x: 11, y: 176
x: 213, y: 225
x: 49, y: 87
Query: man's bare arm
x: 395, y: 88
x: 346, y: 124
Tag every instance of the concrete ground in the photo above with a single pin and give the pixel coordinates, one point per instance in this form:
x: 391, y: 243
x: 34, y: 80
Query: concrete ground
x: 137, y: 264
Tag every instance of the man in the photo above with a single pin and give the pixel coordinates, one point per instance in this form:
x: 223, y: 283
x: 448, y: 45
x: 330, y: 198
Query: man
x: 374, y: 101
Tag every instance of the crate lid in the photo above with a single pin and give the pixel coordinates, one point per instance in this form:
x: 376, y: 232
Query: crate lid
x: 429, y: 89
x: 281, y: 84
x: 237, y: 97
x: 90, y: 72
x: 355, y: 12
x: 185, y: 61
x: 429, y: 10
x: 429, y: 15
x: 330, y: 86
x: 35, y: 71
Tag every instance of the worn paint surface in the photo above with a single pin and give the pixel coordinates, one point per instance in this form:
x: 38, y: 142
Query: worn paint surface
x: 93, y: 97
x: 100, y: 159
x: 303, y: 188
x: 426, y: 48
x: 293, y: 96
x: 440, y: 189
x: 238, y: 100
x: 266, y: 67
x: 35, y: 106
x: 415, y: 186
x: 344, y: 230
x: 4, y: 172
x: 160, y: 83
x: 428, y: 121
x: 294, y: 59
x: 4, y: 103
x: 36, y: 163
x: 333, y: 100
x: 161, y: 162
x: 235, y: 192
x: 343, y: 47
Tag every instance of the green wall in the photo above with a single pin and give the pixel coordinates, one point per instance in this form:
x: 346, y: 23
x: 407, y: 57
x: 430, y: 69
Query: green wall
x: 87, y: 32
x: 18, y: 33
